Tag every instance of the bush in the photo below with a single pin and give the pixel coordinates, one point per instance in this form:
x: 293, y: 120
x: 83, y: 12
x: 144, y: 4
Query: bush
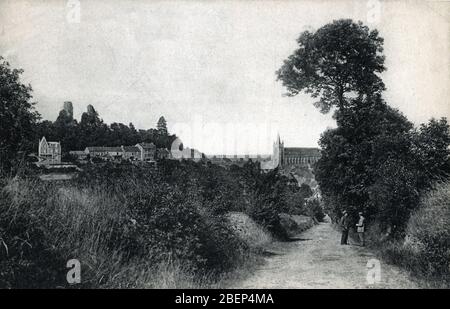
x: 114, y: 217
x: 426, y: 248
x: 315, y: 209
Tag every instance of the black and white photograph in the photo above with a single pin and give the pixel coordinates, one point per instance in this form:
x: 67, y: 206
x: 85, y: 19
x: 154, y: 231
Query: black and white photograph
x: 244, y: 145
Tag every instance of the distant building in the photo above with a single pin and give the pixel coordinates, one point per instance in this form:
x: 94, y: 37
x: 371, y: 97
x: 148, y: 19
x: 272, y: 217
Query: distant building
x: 163, y: 153
x: 178, y: 152
x: 80, y: 154
x: 239, y: 158
x: 141, y: 152
x: 293, y: 156
x: 131, y: 152
x: 187, y: 154
x: 104, y: 152
x: 49, y: 152
x: 148, y: 151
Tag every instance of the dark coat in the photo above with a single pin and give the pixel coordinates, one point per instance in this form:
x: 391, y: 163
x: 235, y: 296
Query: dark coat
x: 345, y: 222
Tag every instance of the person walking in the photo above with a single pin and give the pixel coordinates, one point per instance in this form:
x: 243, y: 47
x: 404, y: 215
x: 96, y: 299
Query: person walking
x: 345, y: 226
x: 360, y: 229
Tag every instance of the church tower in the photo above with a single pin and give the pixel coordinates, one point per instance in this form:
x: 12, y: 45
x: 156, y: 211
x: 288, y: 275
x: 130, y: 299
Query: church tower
x: 278, y: 152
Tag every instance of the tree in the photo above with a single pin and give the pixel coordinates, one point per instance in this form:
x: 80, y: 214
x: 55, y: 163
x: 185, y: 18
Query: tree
x: 305, y: 190
x: 17, y: 115
x: 431, y: 148
x: 374, y: 161
x: 359, y: 157
x: 162, y: 126
x: 93, y: 131
x: 66, y: 131
x: 336, y: 62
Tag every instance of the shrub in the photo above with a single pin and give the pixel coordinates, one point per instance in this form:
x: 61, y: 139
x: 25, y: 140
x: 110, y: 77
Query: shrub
x: 429, y: 230
x: 110, y: 218
x: 315, y: 209
x: 114, y: 217
x: 426, y: 248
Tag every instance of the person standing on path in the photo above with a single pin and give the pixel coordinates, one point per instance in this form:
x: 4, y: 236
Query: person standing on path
x: 360, y: 229
x: 345, y: 225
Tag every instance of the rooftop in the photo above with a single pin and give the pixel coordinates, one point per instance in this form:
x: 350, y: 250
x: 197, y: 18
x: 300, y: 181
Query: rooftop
x: 104, y: 149
x: 131, y: 149
x: 147, y: 145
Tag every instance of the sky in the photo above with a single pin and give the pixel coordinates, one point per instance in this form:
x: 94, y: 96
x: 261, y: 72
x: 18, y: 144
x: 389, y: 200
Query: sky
x: 209, y: 66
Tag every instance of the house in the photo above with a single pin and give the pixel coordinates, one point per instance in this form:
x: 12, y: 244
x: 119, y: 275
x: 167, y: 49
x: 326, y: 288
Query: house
x: 96, y: 152
x: 162, y: 153
x: 79, y: 154
x: 104, y: 152
x: 131, y: 152
x: 187, y: 154
x: 148, y: 151
x: 115, y: 152
x: 49, y: 152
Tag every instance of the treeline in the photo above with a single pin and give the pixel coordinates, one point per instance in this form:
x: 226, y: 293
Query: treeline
x: 92, y: 131
x: 21, y: 126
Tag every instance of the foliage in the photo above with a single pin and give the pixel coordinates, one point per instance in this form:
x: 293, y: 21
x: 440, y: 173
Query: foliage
x: 432, y: 153
x: 115, y: 217
x: 27, y: 258
x: 92, y: 131
x: 375, y: 162
x: 339, y: 59
x: 426, y: 248
x: 17, y: 115
x: 315, y: 209
x: 161, y: 126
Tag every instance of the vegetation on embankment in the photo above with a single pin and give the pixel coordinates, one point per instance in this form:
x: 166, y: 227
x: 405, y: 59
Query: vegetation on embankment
x: 133, y: 226
x: 425, y: 251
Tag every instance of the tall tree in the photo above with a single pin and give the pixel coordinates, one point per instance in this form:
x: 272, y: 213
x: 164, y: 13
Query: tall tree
x: 162, y: 125
x: 17, y: 114
x: 374, y: 160
x: 338, y: 61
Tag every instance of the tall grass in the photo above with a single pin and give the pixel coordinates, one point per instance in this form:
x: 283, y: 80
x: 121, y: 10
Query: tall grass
x: 44, y: 225
x: 135, y: 226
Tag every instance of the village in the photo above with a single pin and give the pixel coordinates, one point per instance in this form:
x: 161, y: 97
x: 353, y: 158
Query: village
x: 50, y: 154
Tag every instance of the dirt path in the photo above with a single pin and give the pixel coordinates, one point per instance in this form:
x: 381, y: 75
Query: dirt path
x: 317, y: 260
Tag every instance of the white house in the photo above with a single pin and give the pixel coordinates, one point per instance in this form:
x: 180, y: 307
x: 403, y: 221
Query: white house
x: 49, y: 152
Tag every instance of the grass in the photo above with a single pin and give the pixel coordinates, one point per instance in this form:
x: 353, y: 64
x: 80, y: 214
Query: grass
x: 181, y: 225
x: 119, y: 244
x: 425, y: 251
